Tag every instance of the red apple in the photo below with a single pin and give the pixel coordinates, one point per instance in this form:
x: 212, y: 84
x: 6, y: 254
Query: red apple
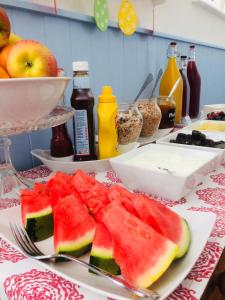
x: 28, y: 58
x: 5, y: 27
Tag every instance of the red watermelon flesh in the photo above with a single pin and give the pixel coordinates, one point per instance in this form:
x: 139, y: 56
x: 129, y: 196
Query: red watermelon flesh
x: 164, y: 221
x: 117, y: 192
x: 142, y: 253
x: 97, y: 200
x: 36, y: 212
x: 60, y: 186
x: 101, y: 254
x: 74, y: 227
x: 82, y: 182
x: 36, y: 200
x: 92, y: 192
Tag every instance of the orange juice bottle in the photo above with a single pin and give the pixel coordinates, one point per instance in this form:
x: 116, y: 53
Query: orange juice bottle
x: 169, y: 78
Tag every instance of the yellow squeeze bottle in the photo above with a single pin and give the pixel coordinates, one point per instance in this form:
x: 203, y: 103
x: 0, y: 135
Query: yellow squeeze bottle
x: 107, y: 131
x: 168, y: 80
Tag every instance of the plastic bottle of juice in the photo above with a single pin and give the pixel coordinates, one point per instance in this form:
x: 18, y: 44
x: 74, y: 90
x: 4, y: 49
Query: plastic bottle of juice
x: 170, y: 76
x: 107, y: 130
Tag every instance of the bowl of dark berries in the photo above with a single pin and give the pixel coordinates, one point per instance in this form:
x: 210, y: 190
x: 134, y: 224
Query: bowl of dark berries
x: 216, y: 115
x: 206, y: 141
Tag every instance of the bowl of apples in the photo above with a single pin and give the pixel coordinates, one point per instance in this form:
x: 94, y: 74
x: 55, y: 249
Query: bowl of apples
x: 33, y: 87
x: 30, y: 86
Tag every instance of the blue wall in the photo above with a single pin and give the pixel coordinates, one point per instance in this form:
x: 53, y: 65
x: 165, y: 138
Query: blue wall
x: 122, y: 62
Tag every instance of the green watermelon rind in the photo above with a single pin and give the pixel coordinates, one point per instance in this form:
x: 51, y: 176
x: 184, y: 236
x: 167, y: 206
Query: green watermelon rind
x: 39, y: 225
x: 106, y: 264
x: 103, y: 259
x: 77, y: 247
x: 184, y: 244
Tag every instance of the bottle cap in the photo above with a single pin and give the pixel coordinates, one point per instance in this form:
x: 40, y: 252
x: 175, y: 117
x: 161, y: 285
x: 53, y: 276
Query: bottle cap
x: 80, y: 66
x: 107, y: 95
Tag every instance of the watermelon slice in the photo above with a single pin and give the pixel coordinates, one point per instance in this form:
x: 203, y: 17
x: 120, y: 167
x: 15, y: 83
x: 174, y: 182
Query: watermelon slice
x: 93, y: 193
x: 74, y: 227
x: 117, y: 192
x: 102, y: 251
x: 142, y: 253
x: 37, y: 212
x: 165, y: 221
x: 60, y: 186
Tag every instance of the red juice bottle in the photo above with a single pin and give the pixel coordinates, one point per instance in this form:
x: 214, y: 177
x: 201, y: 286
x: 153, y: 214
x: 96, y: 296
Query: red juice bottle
x: 186, y: 87
x: 194, y: 80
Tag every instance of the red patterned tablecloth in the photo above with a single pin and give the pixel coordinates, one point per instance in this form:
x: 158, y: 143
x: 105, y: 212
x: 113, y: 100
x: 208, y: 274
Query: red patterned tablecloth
x: 22, y: 278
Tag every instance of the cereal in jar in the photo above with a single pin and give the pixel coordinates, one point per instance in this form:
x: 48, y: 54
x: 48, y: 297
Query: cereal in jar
x: 129, y: 123
x: 151, y: 114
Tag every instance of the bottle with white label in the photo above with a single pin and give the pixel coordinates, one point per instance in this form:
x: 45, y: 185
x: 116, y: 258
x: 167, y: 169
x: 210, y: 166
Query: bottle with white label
x: 82, y: 101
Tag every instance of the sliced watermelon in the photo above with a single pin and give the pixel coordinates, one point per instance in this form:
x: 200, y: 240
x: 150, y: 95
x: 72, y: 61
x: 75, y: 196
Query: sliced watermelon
x: 37, y: 212
x: 101, y: 254
x: 142, y: 253
x: 74, y: 227
x: 97, y: 200
x: 82, y: 182
x: 93, y: 193
x: 165, y: 221
x: 60, y: 186
x: 117, y: 192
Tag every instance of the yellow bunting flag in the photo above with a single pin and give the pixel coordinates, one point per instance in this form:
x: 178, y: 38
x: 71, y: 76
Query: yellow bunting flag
x: 127, y: 18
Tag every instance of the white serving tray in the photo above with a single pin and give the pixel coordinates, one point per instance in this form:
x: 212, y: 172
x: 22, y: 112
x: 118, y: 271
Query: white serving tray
x: 164, y: 286
x: 173, y: 183
x: 72, y: 166
x: 216, y: 136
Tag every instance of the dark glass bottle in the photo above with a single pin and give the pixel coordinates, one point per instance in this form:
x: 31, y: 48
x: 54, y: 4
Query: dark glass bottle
x: 61, y: 144
x: 194, y: 80
x: 186, y: 87
x: 82, y: 101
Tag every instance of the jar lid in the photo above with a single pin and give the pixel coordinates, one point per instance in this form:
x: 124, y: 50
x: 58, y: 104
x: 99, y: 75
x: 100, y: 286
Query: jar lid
x: 80, y: 66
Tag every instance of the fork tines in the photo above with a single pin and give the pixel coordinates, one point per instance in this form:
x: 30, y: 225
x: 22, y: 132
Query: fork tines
x: 24, y: 241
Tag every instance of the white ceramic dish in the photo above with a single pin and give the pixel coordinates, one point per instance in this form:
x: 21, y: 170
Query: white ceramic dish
x: 213, y: 107
x: 29, y: 99
x: 216, y: 136
x: 176, y: 172
x: 71, y: 166
x: 165, y: 285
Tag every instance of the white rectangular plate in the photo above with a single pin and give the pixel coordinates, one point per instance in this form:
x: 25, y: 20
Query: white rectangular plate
x: 201, y: 225
x: 72, y: 166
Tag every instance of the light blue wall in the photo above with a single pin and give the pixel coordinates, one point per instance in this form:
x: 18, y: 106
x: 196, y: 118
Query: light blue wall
x: 122, y: 62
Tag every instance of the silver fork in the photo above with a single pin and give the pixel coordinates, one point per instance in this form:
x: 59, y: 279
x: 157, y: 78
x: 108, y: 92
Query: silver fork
x: 29, y: 248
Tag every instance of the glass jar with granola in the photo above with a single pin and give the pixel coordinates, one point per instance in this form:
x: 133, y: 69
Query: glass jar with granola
x: 129, y: 123
x: 151, y: 114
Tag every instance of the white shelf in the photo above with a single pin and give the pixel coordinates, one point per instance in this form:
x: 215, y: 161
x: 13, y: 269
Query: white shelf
x: 206, y: 4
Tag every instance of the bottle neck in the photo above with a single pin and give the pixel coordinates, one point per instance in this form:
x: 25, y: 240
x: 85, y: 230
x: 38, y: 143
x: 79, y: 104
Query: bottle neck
x: 172, y: 62
x: 59, y: 131
x: 172, y: 51
x: 192, y: 54
x: 81, y: 80
x: 183, y: 64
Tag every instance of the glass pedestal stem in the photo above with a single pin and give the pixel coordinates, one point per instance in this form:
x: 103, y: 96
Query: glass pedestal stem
x: 8, y: 179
